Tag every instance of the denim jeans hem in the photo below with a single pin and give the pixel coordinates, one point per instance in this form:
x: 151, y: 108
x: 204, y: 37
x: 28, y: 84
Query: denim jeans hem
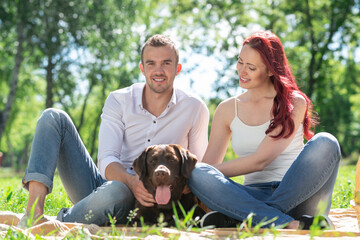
x: 38, y: 177
x: 60, y: 215
x: 233, y: 213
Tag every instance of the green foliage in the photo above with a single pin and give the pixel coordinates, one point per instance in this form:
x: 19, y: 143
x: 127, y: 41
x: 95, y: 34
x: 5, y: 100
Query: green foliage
x: 14, y: 235
x: 320, y: 38
x: 76, y: 52
x: 188, y: 222
x: 246, y: 228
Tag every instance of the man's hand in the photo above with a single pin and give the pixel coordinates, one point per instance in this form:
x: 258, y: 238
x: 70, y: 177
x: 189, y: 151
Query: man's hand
x: 140, y: 192
x: 115, y: 171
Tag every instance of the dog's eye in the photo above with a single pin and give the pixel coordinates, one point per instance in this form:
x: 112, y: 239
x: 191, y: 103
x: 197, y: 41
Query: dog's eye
x: 171, y: 159
x: 153, y: 161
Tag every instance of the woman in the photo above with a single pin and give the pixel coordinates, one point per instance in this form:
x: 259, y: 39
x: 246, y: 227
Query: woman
x: 285, y: 181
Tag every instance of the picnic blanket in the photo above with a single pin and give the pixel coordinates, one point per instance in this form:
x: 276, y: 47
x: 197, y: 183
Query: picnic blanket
x: 345, y: 222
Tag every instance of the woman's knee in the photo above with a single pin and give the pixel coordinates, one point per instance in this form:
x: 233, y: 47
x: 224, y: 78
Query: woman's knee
x: 199, y: 171
x: 50, y: 112
x: 201, y: 175
x: 327, y: 143
x: 52, y: 115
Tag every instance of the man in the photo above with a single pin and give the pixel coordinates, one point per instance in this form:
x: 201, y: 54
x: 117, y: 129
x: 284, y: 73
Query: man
x: 133, y: 118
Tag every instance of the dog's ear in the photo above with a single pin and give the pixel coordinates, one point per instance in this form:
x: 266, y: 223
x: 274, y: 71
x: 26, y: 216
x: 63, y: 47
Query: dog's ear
x: 140, y: 165
x: 188, y: 160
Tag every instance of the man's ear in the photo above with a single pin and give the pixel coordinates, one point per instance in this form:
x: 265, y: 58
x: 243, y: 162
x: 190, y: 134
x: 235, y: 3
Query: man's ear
x: 178, y: 68
x: 142, y: 68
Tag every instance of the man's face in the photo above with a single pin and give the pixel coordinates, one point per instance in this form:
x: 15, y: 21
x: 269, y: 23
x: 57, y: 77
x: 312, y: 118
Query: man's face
x: 159, y: 68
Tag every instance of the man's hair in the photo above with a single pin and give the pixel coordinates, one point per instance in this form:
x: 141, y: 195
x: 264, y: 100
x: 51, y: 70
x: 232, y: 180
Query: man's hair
x: 160, y: 40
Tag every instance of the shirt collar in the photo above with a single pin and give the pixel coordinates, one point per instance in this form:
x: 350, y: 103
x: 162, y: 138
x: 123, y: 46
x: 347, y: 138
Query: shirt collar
x: 138, y: 93
x: 173, y: 99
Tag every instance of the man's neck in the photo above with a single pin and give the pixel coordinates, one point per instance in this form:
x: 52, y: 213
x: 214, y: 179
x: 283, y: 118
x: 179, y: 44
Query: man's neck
x: 156, y: 103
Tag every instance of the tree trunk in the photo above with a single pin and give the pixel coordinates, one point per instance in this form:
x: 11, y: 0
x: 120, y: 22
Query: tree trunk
x: 10, y: 156
x: 49, y: 83
x: 5, y: 114
x: 83, y: 109
x: 97, y: 125
x: 313, y: 50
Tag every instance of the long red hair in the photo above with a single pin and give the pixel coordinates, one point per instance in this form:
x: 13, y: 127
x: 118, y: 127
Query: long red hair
x: 272, y: 53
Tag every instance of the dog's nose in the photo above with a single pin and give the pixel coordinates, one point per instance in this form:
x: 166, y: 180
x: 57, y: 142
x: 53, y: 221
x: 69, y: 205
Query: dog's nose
x: 162, y: 171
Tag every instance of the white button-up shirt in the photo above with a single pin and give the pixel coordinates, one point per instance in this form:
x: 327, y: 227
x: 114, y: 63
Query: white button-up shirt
x: 127, y: 128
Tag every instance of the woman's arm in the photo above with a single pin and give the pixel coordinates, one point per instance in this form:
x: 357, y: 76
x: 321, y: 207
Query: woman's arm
x: 268, y: 150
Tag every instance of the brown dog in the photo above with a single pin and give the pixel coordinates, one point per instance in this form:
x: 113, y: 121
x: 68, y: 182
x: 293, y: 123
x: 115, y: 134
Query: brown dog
x: 164, y: 171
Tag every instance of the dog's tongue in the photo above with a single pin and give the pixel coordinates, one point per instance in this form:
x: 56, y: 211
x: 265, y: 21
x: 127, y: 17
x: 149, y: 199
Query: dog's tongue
x: 163, y: 194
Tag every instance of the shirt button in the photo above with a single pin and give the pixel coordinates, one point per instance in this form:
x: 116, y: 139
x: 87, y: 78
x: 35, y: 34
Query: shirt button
x: 148, y: 140
x: 154, y: 121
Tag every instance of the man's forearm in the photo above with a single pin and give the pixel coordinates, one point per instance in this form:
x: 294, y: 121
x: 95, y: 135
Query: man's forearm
x: 115, y: 171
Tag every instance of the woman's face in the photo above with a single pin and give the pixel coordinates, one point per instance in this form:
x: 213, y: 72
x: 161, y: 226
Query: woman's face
x: 251, y: 69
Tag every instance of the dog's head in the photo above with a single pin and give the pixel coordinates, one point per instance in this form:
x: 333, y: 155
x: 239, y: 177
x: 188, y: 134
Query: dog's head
x: 164, y: 170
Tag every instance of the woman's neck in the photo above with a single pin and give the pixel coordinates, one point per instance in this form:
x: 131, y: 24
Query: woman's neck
x: 257, y: 94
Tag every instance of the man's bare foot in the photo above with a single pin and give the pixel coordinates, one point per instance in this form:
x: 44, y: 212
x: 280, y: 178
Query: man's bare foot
x: 27, y: 221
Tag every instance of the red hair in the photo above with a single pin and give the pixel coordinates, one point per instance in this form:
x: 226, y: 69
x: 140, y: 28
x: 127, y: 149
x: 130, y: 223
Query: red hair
x: 269, y: 46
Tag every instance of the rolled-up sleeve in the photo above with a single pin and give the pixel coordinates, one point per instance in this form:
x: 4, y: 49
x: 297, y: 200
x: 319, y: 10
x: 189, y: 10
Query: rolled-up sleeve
x: 111, y: 133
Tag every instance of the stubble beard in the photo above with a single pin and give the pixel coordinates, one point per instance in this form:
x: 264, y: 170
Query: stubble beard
x: 158, y: 90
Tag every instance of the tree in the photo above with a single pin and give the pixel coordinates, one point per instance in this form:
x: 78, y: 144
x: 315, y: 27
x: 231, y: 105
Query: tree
x: 314, y: 34
x: 83, y: 50
x: 7, y: 18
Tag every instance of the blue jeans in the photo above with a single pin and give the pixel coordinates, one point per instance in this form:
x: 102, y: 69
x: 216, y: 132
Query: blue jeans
x: 305, y: 189
x: 57, y: 144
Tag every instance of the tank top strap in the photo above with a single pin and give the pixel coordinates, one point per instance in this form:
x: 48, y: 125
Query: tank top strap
x: 235, y: 107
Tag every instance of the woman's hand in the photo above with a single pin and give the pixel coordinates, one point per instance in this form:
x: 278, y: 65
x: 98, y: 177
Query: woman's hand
x: 186, y: 189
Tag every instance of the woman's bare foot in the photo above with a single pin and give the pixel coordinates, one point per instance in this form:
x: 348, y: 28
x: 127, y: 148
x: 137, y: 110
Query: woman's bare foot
x: 293, y: 225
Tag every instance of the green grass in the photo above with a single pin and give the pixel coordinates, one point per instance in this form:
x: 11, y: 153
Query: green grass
x: 14, y: 198
x: 344, y: 187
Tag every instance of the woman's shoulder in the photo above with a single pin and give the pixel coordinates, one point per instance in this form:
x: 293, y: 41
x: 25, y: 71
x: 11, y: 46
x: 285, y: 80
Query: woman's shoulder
x: 227, y: 103
x: 225, y: 111
x: 298, y: 100
x: 300, y: 105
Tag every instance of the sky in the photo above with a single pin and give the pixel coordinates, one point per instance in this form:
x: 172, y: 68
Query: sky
x: 200, y: 80
x: 198, y: 74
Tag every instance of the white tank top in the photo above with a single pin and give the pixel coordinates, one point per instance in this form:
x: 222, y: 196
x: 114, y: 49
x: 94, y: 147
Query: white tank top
x: 245, y: 141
